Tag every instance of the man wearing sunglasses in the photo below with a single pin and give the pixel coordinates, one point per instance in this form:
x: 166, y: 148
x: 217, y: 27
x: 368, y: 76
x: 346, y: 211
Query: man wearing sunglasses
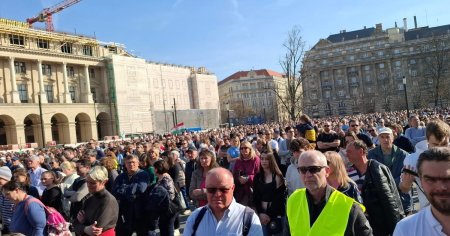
x: 319, y: 209
x: 223, y: 215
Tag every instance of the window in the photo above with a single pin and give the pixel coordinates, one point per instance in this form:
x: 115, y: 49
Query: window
x: 341, y: 93
x: 46, y: 69
x: 398, y: 63
x: 368, y: 78
x: 380, y: 53
x: 23, y: 93
x: 49, y: 91
x: 412, y: 61
x: 43, y: 43
x: 327, y: 94
x: 66, y: 47
x: 91, y: 73
x: 87, y: 50
x: 72, y: 93
x: 70, y: 71
x: 16, y: 39
x: 411, y: 49
x: 20, y: 67
x: 397, y: 51
x: 94, y: 94
x: 400, y: 86
x: 413, y: 73
x: 369, y: 89
x: 381, y: 65
x: 313, y: 95
x: 367, y: 68
x: 339, y: 82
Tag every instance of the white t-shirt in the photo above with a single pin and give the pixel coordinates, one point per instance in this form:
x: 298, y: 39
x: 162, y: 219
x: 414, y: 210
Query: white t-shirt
x: 273, y: 144
x: 422, y: 223
x: 293, y: 181
x: 411, y: 161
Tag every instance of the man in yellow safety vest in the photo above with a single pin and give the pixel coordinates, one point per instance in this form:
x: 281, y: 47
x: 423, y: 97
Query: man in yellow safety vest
x: 320, y: 209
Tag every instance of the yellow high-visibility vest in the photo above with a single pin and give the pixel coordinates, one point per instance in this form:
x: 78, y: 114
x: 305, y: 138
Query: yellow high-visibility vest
x: 332, y: 221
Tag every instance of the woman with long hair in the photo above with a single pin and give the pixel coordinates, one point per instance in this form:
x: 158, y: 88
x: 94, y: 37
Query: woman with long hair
x: 21, y: 175
x: 349, y: 137
x: 166, y: 220
x: 338, y: 177
x: 245, y: 169
x: 269, y: 195
x: 197, y: 188
x: 233, y: 152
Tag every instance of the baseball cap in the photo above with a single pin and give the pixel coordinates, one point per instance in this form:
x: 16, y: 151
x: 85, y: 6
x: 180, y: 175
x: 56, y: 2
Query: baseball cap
x: 385, y: 130
x: 5, y: 173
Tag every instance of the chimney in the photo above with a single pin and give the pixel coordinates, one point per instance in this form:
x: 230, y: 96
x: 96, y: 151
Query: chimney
x: 415, y: 22
x: 396, y: 24
x: 378, y: 28
x: 405, y: 27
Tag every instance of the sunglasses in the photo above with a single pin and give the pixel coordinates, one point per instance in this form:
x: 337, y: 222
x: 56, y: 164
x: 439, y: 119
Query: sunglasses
x: 326, y: 126
x: 355, y: 125
x: 310, y: 169
x: 214, y: 190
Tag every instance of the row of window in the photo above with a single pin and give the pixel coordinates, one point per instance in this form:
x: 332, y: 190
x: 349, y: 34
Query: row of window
x: 48, y: 88
x: 21, y: 68
x: 66, y: 47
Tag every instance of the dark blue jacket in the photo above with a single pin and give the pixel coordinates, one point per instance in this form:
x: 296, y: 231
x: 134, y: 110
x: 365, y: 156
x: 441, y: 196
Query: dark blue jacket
x: 130, y: 193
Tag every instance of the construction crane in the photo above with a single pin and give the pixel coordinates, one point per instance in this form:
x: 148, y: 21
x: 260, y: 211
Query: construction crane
x: 46, y: 14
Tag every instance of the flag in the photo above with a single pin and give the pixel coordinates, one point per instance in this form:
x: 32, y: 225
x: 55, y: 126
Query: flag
x: 177, y: 128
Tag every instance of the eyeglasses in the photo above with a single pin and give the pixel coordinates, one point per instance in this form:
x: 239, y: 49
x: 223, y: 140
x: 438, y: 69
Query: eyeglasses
x: 326, y: 126
x: 311, y: 169
x: 355, y: 125
x: 42, y: 179
x: 214, y: 190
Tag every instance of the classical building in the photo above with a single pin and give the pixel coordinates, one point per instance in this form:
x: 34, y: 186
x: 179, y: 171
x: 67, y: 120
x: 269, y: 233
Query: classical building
x: 70, y: 88
x: 250, y: 97
x: 363, y: 71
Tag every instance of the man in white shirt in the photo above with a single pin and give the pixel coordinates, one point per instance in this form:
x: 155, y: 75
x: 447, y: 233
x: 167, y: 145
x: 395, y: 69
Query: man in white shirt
x: 433, y: 168
x: 223, y: 215
x: 35, y: 171
x: 438, y: 135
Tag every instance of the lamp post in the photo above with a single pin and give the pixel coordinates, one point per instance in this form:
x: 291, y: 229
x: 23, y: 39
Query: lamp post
x: 228, y: 112
x: 165, y: 114
x: 406, y: 96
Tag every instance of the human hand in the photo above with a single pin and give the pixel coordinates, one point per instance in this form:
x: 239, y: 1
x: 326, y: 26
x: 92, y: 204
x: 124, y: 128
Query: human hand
x: 80, y: 216
x: 96, y: 230
x: 264, y: 218
x: 243, y: 179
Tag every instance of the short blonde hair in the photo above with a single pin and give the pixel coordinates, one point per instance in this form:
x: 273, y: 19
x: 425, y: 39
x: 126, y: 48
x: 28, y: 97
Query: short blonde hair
x: 99, y: 173
x: 67, y: 165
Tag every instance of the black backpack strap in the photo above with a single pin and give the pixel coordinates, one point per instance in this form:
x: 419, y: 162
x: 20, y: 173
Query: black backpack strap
x: 198, y: 219
x: 247, y: 221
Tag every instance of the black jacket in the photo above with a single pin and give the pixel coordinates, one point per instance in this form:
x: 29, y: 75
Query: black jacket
x: 277, y: 206
x: 381, y: 199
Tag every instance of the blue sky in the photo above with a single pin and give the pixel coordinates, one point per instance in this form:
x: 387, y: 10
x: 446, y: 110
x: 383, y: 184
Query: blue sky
x: 225, y: 36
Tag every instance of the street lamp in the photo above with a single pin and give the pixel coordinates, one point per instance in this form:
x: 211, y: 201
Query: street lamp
x: 228, y: 112
x: 406, y: 96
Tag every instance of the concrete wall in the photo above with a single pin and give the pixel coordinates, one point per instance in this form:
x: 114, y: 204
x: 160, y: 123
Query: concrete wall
x: 206, y: 119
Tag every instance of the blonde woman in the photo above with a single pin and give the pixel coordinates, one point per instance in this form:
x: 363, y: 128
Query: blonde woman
x: 245, y: 169
x: 69, y: 170
x: 338, y: 177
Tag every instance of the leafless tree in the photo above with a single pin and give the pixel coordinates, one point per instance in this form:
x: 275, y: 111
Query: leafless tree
x: 437, y: 63
x: 289, y: 93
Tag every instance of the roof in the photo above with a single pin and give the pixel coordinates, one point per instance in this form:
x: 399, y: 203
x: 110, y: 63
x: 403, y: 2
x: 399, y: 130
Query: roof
x: 357, y: 34
x: 426, y: 32
x: 240, y: 74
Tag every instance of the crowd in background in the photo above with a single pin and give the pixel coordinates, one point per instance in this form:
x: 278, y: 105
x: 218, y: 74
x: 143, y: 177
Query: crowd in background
x: 127, y: 186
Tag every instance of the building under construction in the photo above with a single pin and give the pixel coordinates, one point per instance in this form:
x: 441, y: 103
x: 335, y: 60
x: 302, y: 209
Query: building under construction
x: 69, y: 88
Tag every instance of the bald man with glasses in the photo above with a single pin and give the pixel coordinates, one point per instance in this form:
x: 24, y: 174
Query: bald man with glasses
x: 222, y: 215
x: 319, y: 209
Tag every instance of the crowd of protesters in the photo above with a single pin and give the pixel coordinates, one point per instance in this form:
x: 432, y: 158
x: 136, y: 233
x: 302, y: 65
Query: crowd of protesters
x: 121, y: 187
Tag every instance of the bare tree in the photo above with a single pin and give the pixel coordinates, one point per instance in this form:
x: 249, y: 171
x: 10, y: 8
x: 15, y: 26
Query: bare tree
x: 437, y: 63
x: 289, y: 94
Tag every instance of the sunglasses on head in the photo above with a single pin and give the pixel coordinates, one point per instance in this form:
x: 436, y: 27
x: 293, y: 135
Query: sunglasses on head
x: 214, y: 190
x: 310, y: 169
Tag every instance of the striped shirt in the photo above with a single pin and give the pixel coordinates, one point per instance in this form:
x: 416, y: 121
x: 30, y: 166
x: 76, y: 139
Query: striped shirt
x: 356, y: 176
x: 7, y: 208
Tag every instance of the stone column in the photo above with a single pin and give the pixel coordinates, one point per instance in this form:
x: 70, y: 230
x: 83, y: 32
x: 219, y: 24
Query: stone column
x: 66, y: 94
x: 87, y: 89
x: 15, y: 98
x: 72, y: 133
x: 41, y: 83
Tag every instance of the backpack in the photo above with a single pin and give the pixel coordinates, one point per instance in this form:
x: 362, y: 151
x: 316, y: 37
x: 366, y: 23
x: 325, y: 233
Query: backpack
x: 56, y: 224
x: 246, y: 221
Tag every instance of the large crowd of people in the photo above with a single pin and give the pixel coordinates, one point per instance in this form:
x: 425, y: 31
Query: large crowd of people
x: 348, y: 175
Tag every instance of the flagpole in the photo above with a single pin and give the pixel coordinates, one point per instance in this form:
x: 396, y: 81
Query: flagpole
x: 175, y: 109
